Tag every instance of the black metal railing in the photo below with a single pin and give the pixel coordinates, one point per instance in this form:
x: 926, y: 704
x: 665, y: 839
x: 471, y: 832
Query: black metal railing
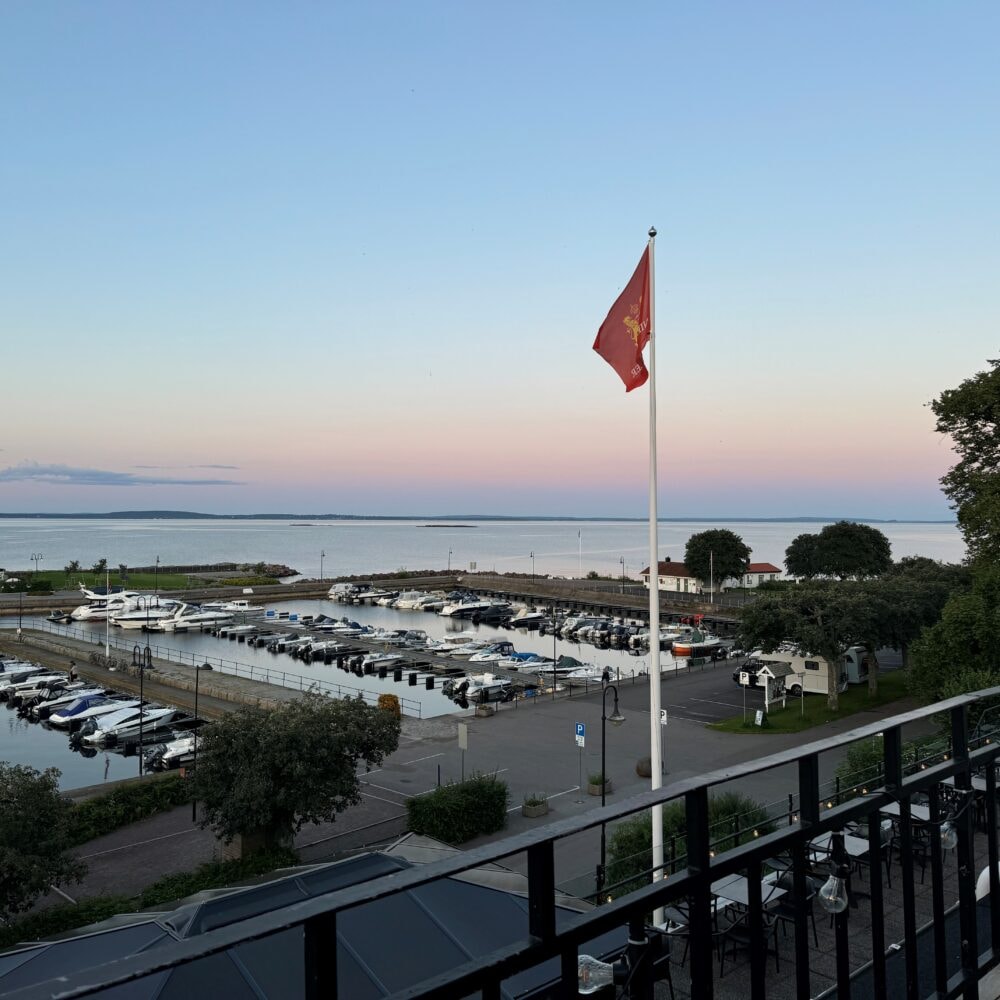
x: 546, y: 939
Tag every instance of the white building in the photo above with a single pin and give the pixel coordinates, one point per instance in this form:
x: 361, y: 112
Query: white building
x: 676, y: 577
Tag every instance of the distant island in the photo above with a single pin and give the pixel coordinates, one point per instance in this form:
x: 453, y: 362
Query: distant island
x: 440, y: 519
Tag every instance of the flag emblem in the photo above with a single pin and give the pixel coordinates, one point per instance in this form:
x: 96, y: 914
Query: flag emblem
x: 625, y: 331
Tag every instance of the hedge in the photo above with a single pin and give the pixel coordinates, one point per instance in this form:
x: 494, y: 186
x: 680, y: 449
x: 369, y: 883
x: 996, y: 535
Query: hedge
x: 459, y: 811
x: 126, y: 804
x: 214, y: 875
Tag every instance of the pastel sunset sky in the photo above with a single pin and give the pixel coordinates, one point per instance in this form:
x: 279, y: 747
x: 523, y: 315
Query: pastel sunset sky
x: 351, y: 258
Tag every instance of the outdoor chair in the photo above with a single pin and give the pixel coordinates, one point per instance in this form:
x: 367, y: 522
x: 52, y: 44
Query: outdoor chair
x: 737, y: 936
x: 784, y: 908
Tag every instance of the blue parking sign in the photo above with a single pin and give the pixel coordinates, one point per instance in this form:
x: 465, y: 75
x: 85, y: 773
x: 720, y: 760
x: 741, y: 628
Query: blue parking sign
x: 581, y: 734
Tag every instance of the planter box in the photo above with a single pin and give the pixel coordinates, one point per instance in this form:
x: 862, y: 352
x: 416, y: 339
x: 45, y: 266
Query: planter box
x: 483, y: 711
x: 596, y: 789
x: 533, y: 811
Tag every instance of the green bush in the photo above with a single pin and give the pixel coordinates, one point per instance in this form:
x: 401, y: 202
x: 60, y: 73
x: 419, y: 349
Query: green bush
x: 40, y: 587
x: 246, y: 581
x: 733, y: 819
x: 460, y: 811
x: 126, y: 804
x: 58, y: 919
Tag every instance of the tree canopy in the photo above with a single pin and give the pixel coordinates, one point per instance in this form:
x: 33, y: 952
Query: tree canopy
x: 272, y: 770
x: 717, y: 554
x: 970, y: 415
x: 824, y: 619
x: 844, y: 550
x: 34, y: 836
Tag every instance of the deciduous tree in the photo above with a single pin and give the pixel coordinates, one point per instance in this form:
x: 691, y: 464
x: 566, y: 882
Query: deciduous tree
x: 825, y: 619
x: 716, y: 555
x: 845, y: 550
x: 34, y: 837
x: 970, y: 414
x: 271, y: 771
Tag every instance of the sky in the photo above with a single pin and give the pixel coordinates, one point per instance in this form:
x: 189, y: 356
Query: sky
x: 352, y: 258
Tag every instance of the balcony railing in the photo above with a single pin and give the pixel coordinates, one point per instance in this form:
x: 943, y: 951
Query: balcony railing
x: 691, y: 886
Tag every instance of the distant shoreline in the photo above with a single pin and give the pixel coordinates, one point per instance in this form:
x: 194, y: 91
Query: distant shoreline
x: 443, y: 520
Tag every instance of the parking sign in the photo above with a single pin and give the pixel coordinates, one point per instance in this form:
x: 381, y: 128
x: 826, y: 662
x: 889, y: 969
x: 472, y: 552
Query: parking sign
x: 581, y: 734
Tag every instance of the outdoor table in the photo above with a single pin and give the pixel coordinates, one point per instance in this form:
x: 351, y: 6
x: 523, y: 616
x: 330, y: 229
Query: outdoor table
x: 854, y: 847
x: 735, y: 890
x: 921, y: 814
x: 978, y: 783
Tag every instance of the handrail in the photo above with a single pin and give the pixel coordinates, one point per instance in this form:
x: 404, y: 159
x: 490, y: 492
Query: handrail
x: 545, y: 940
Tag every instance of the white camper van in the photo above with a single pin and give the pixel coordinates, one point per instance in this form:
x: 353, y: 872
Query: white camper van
x: 811, y: 673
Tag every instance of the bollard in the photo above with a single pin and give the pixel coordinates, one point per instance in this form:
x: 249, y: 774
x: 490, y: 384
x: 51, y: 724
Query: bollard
x: 413, y: 680
x: 429, y: 682
x: 397, y: 674
x: 369, y: 669
x: 382, y: 671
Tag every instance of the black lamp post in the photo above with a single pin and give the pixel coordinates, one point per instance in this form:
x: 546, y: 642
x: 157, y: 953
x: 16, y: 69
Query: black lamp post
x: 322, y: 556
x: 616, y: 719
x: 449, y: 560
x: 532, y: 554
x: 194, y: 804
x: 156, y: 577
x: 36, y: 558
x: 622, y: 561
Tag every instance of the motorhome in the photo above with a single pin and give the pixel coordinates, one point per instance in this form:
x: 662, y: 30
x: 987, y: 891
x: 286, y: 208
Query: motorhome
x: 810, y: 673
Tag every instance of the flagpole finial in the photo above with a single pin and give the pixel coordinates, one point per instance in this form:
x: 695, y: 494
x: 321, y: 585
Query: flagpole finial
x: 652, y: 231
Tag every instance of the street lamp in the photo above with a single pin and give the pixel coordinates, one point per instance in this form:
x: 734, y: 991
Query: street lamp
x: 156, y: 577
x: 616, y: 719
x: 197, y: 676
x: 322, y: 556
x: 532, y: 554
x: 37, y: 558
x: 449, y: 560
x: 622, y: 561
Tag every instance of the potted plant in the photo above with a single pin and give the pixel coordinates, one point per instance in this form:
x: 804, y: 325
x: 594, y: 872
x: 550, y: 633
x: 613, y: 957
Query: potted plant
x: 535, y: 804
x: 595, y: 783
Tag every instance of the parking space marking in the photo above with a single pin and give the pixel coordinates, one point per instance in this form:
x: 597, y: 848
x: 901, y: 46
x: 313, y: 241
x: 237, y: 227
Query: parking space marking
x: 419, y: 759
x: 555, y: 795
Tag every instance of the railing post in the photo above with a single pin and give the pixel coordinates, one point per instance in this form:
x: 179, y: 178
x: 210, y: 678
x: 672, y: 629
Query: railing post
x: 808, y: 817
x: 699, y: 864
x: 321, y: 957
x: 875, y: 851
x: 993, y: 853
x: 541, y: 891
x: 965, y: 825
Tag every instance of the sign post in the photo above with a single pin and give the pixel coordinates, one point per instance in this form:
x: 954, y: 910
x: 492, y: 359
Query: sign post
x: 744, y: 683
x: 581, y: 742
x: 463, y: 743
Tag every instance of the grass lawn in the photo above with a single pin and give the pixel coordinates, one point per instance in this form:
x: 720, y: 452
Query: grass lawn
x: 891, y: 687
x: 60, y: 580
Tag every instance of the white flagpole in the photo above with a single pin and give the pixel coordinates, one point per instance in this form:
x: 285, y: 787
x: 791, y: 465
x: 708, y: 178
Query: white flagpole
x: 655, y: 753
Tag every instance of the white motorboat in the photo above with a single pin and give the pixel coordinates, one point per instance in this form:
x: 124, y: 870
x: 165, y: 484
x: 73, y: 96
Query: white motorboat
x: 466, y: 608
x: 493, y: 652
x: 98, y: 611
x: 479, y: 688
x: 189, y: 616
x: 117, y: 726
x: 144, y: 614
x: 96, y: 729
x: 528, y: 619
x: 63, y: 699
x: 79, y: 711
x: 236, y: 607
x: 21, y: 682
x: 451, y: 642
x: 176, y: 752
x: 376, y: 660
x: 409, y: 599
x: 387, y: 599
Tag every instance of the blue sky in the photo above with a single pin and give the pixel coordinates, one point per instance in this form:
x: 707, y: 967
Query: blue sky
x: 358, y: 254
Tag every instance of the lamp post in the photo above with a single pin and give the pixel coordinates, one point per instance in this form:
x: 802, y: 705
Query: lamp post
x: 322, y: 556
x: 107, y: 616
x: 37, y: 558
x: 156, y: 577
x: 532, y: 554
x: 194, y: 804
x: 616, y: 719
x: 449, y: 560
x: 622, y: 561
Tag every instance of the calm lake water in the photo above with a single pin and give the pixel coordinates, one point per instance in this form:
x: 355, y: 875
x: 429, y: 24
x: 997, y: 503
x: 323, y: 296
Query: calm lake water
x: 561, y: 548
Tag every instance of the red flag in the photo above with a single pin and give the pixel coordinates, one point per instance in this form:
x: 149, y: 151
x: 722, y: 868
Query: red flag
x: 625, y: 332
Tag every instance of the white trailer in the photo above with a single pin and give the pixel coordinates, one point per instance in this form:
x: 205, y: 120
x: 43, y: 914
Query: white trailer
x: 811, y: 672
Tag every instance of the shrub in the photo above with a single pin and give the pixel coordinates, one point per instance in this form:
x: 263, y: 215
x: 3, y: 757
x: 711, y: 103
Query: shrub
x: 460, y: 811
x: 390, y: 703
x: 733, y: 818
x: 597, y: 778
x: 126, y: 804
x: 535, y: 799
x: 246, y: 581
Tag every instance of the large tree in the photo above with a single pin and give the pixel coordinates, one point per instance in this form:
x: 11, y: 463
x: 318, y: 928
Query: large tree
x: 820, y: 618
x: 34, y: 837
x: 269, y: 771
x: 716, y: 555
x: 845, y: 550
x: 970, y: 415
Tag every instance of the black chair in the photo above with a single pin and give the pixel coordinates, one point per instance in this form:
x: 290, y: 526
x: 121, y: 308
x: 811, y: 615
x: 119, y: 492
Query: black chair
x: 784, y: 908
x: 737, y: 936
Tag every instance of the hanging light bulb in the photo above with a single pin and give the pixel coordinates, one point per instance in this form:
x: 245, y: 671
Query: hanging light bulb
x: 833, y: 894
x: 592, y: 974
x: 949, y: 835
